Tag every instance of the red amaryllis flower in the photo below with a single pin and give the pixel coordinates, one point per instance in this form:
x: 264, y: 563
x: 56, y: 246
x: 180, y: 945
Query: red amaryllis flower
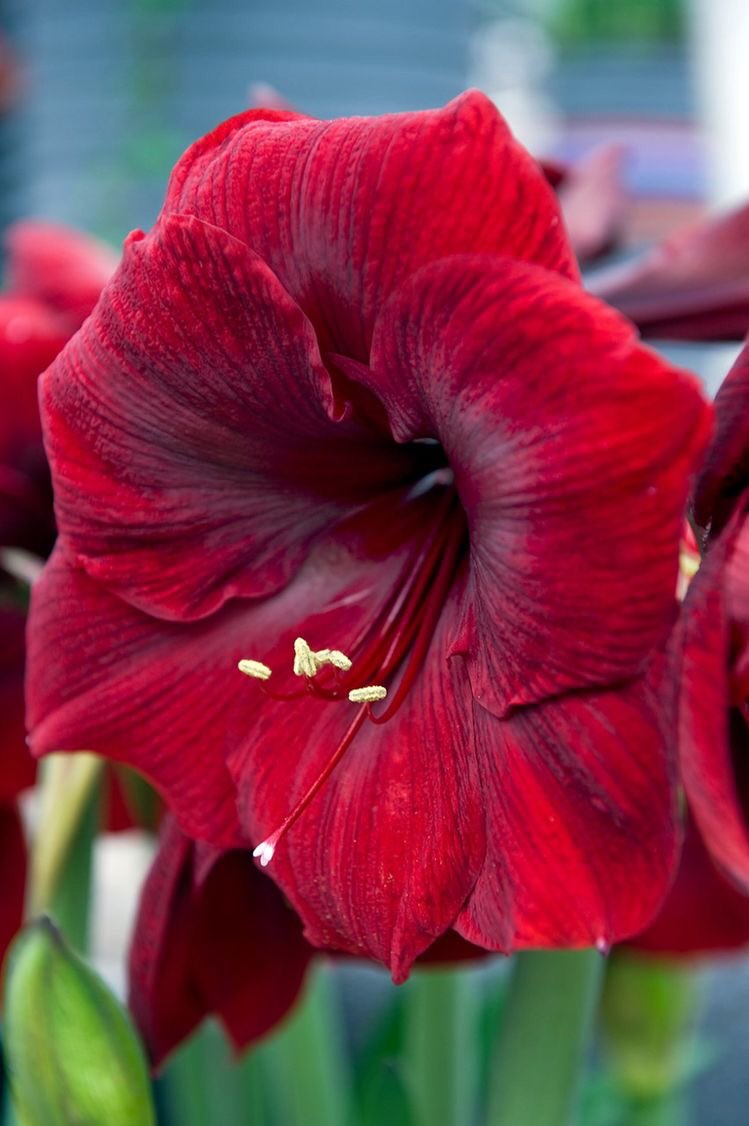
x: 325, y: 401
x: 714, y: 719
x: 692, y: 286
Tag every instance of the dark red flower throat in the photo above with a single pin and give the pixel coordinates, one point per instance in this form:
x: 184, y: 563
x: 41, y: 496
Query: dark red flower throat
x: 386, y: 662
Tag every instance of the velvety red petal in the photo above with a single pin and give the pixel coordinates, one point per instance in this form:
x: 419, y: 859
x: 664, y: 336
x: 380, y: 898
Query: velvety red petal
x: 714, y: 716
x: 107, y: 678
x: 580, y: 802
x: 725, y: 474
x: 17, y: 768
x: 166, y: 698
x: 13, y: 868
x: 62, y: 268
x: 382, y: 860
x: 702, y: 913
x: 572, y: 447
x: 373, y: 200
x: 189, y: 429
x: 692, y: 286
x: 225, y: 945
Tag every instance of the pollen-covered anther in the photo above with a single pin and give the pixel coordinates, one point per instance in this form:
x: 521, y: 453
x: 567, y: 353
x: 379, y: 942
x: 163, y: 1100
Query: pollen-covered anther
x: 332, y: 657
x: 304, y: 659
x: 689, y: 565
x: 367, y: 695
x: 255, y: 669
x: 308, y: 662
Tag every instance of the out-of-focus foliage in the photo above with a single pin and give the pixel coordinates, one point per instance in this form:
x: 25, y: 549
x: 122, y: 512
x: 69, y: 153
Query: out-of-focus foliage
x: 577, y: 22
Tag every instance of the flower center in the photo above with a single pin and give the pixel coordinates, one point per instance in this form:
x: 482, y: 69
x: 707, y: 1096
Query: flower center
x: 391, y: 652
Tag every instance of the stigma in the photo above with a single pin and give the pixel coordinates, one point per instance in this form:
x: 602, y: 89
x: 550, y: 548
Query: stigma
x: 391, y: 651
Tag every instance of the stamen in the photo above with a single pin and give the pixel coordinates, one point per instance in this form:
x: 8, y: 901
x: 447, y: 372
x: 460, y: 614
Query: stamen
x: 255, y: 669
x: 394, y: 646
x: 304, y: 659
x: 308, y: 662
x: 332, y: 657
x: 367, y: 695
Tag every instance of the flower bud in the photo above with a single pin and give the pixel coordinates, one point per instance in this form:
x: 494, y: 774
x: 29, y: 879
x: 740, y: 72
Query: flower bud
x: 71, y: 1051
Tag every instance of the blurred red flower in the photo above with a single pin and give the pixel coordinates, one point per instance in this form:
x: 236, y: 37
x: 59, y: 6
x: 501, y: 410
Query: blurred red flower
x: 714, y: 708
x: 54, y: 277
x: 694, y: 285
x: 346, y: 391
x: 704, y: 913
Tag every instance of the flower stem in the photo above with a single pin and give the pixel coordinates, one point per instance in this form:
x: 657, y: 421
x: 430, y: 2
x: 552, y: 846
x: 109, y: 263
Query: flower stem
x: 60, y: 880
x: 304, y: 1063
x: 204, y: 1083
x: 439, y: 1055
x: 648, y: 1011
x: 540, y: 1051
x: 67, y: 783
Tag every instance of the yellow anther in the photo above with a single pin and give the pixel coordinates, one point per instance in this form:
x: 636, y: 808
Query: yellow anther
x: 304, y: 659
x: 255, y: 669
x: 308, y: 662
x: 332, y: 657
x: 367, y: 695
x: 689, y: 563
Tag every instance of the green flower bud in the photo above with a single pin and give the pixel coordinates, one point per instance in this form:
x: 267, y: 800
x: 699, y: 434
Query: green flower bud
x: 73, y: 1056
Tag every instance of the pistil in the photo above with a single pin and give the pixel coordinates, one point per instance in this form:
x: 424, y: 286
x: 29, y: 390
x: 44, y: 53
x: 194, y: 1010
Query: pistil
x: 397, y: 641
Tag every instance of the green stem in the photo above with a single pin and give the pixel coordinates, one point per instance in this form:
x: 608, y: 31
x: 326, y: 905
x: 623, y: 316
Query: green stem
x: 648, y: 1012
x: 304, y: 1062
x: 540, y: 1052
x: 70, y: 901
x: 439, y: 1056
x: 204, y: 1085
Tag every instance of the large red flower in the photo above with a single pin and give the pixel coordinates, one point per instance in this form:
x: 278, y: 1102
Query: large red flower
x: 346, y: 392
x: 714, y: 719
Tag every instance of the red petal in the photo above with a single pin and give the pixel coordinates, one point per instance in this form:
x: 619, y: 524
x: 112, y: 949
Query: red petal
x: 221, y: 942
x: 13, y: 868
x: 703, y: 912
x: 714, y: 719
x: 166, y: 697
x: 62, y: 268
x: 692, y: 286
x: 572, y: 447
x: 373, y: 200
x: 104, y: 677
x: 382, y: 860
x: 192, y: 453
x: 579, y: 794
x: 726, y: 471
